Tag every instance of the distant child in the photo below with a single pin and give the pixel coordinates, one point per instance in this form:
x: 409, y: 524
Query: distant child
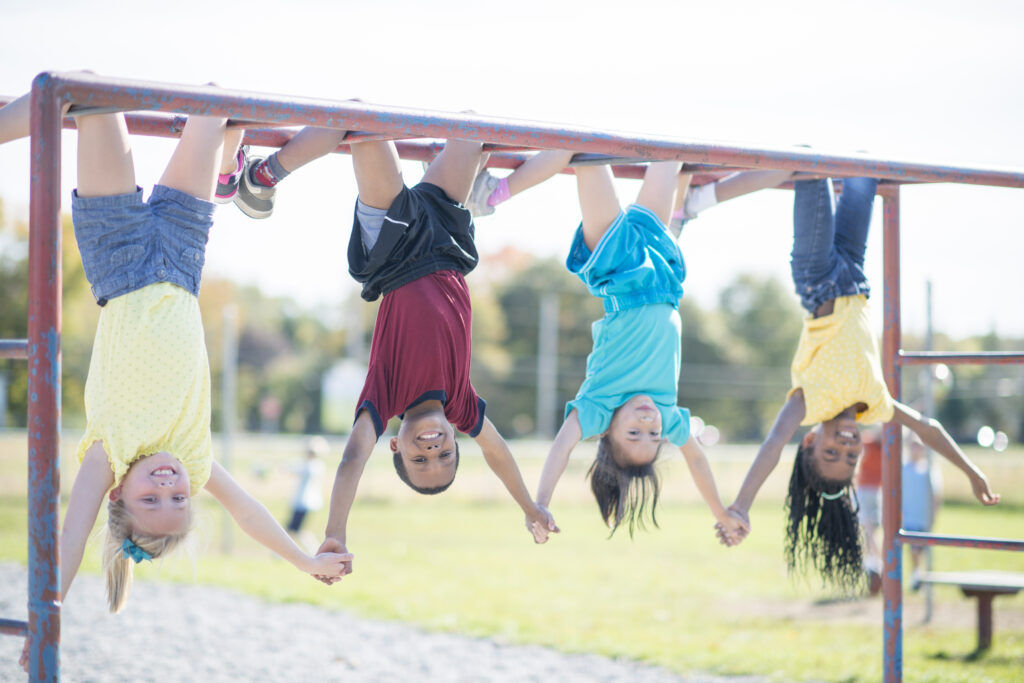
x: 922, y: 496
x: 868, y: 486
x: 308, y: 497
x: 147, y: 447
x: 628, y: 400
x: 837, y: 382
x: 413, y: 246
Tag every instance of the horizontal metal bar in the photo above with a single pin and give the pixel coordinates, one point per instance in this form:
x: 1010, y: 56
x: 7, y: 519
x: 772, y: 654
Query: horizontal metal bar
x: 97, y: 91
x: 14, y: 348
x: 980, y: 358
x: 13, y: 627
x: 979, y: 542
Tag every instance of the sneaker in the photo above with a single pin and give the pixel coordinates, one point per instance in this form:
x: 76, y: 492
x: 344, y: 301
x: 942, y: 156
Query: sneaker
x: 227, y: 183
x: 255, y: 200
x: 483, y: 186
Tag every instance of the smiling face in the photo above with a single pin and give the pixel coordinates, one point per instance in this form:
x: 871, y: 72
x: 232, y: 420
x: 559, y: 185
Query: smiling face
x: 426, y: 445
x: 635, y: 432
x: 156, y: 494
x: 835, y: 447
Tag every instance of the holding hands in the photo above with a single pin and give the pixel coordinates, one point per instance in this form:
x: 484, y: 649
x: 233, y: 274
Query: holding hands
x: 733, y: 527
x: 540, y: 523
x: 332, y: 561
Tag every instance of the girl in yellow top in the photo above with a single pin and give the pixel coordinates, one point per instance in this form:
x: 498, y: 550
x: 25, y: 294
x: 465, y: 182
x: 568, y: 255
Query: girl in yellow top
x: 837, y: 383
x: 147, y: 397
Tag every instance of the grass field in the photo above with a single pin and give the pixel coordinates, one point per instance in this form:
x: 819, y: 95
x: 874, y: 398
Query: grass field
x: 463, y: 562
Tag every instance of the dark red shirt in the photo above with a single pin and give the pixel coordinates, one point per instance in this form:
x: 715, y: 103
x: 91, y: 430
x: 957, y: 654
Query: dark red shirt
x: 870, y: 472
x: 421, y: 351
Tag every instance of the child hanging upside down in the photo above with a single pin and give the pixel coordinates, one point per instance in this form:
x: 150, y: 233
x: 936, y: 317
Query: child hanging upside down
x: 837, y: 383
x: 413, y: 246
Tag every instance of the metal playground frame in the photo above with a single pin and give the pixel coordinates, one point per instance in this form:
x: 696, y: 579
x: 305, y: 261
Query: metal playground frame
x: 267, y: 118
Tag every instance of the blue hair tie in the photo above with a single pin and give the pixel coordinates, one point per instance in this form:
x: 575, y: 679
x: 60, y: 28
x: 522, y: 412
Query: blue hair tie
x: 834, y: 496
x: 130, y: 550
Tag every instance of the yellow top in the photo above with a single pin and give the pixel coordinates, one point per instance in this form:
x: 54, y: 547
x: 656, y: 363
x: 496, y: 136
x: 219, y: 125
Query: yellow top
x: 837, y: 365
x: 148, y: 389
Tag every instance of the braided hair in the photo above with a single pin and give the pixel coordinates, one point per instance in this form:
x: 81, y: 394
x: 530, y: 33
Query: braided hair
x: 622, y: 493
x: 822, y: 532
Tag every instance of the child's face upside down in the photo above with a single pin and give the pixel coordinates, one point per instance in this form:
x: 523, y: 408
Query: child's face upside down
x: 156, y: 493
x: 426, y: 441
x: 635, y: 432
x: 836, y: 446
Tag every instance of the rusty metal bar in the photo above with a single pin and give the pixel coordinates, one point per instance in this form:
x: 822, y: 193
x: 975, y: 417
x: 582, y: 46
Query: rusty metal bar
x: 13, y: 627
x: 14, y: 348
x: 983, y: 358
x: 892, y: 551
x: 44, y: 326
x: 981, y: 543
x: 95, y: 91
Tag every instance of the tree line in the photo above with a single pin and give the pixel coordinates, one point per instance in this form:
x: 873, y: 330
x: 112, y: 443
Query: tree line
x: 735, y: 370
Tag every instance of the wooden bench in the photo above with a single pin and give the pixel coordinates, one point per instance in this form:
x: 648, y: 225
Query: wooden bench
x: 983, y: 585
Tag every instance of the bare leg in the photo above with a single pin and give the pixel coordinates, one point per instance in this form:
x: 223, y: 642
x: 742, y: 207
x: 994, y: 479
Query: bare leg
x: 229, y: 157
x: 14, y: 119
x: 745, y: 182
x: 598, y: 202
x: 105, y: 165
x: 378, y: 174
x: 197, y: 159
x: 455, y: 168
x: 659, y: 188
x: 309, y: 144
x: 682, y: 187
x: 537, y: 169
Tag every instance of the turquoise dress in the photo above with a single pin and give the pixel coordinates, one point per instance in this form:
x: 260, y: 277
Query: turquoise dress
x: 638, y: 271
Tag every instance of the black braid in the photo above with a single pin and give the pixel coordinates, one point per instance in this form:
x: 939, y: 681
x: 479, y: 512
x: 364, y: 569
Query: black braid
x: 822, y: 534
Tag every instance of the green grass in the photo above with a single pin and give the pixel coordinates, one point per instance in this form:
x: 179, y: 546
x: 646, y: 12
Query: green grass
x: 463, y: 562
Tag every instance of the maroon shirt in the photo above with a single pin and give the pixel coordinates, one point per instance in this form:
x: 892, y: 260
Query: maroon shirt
x: 421, y: 351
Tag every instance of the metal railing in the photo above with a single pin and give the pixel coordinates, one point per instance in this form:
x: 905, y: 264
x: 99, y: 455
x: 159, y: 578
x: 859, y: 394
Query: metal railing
x: 266, y: 119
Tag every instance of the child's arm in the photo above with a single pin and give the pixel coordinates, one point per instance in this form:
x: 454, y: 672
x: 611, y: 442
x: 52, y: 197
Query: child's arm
x: 92, y: 482
x: 786, y: 423
x: 499, y: 459
x: 558, y: 457
x: 936, y: 438
x: 255, y: 520
x: 357, y: 451
x: 731, y: 526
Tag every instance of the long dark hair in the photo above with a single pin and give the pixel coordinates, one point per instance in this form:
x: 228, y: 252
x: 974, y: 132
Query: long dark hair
x: 622, y: 493
x: 822, y: 533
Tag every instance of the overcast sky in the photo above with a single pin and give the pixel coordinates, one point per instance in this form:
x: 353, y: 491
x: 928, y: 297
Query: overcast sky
x: 934, y: 81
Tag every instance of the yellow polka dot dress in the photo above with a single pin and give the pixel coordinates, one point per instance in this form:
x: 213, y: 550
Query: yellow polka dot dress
x: 148, y: 389
x: 837, y: 365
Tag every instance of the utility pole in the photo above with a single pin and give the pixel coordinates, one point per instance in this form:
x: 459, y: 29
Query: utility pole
x: 547, y: 364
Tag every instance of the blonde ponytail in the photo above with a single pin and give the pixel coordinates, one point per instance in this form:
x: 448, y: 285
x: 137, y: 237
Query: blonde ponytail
x: 117, y: 566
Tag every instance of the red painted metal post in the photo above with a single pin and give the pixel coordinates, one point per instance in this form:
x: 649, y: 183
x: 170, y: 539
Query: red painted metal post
x: 44, y: 318
x: 892, y: 550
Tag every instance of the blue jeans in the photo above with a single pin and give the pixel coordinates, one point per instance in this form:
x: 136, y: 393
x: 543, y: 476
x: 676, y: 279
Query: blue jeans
x: 829, y: 239
x: 127, y: 244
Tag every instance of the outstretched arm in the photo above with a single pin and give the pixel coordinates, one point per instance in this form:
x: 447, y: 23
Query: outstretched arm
x: 732, y: 527
x: 92, y: 482
x: 499, y: 459
x: 255, y: 520
x: 938, y: 439
x: 558, y: 457
x: 786, y: 423
x: 346, y: 481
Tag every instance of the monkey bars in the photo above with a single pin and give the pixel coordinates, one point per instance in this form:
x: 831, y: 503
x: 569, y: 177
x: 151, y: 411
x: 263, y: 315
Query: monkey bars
x: 266, y: 118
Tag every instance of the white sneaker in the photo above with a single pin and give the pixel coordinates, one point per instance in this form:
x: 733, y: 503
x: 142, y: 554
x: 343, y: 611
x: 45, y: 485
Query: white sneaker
x: 483, y: 186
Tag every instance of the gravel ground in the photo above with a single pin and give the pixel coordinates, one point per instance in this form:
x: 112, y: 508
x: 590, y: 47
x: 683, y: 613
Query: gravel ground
x: 198, y: 633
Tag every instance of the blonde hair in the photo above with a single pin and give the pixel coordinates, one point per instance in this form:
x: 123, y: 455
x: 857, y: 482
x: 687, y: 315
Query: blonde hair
x: 118, y: 568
